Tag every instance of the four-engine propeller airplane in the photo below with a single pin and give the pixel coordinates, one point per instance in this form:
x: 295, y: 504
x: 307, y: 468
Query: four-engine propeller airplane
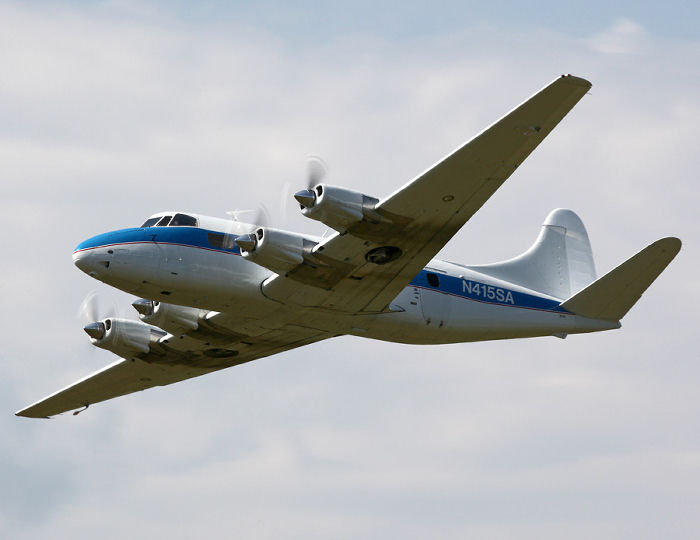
x: 217, y: 292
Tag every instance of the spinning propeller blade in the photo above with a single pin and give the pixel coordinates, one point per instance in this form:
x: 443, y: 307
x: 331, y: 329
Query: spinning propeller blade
x: 317, y: 171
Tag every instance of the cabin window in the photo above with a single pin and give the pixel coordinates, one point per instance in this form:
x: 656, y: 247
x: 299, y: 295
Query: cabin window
x: 150, y: 222
x: 221, y: 241
x: 183, y: 220
x: 164, y: 221
x: 433, y: 279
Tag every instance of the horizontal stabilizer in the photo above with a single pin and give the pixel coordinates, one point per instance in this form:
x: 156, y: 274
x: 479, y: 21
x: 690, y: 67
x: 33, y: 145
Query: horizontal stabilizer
x: 612, y: 296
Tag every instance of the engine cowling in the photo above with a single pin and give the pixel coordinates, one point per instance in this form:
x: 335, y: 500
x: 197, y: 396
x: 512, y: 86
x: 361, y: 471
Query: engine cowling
x: 337, y: 207
x: 276, y: 250
x: 171, y: 318
x: 123, y: 337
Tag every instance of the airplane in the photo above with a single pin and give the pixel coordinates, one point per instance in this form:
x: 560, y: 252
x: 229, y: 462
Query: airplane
x: 216, y: 292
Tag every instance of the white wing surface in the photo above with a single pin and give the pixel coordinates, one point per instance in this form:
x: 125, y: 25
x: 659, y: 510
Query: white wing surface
x: 424, y: 214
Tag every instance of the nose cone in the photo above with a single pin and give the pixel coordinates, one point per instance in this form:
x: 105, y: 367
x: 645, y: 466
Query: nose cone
x: 80, y: 259
x: 124, y: 258
x: 93, y: 256
x: 90, y: 262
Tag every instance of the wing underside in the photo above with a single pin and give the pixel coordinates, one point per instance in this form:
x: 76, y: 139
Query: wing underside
x: 425, y: 213
x: 132, y: 375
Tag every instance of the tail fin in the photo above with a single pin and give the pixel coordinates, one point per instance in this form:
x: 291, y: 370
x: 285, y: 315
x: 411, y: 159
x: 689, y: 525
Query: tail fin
x: 559, y: 263
x: 612, y: 296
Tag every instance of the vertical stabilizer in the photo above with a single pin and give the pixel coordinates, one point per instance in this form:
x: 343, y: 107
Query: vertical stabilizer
x: 559, y: 263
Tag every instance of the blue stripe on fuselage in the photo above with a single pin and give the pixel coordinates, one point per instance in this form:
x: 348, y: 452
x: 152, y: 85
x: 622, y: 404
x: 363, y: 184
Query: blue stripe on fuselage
x: 482, y: 292
x: 185, y: 236
x: 455, y: 286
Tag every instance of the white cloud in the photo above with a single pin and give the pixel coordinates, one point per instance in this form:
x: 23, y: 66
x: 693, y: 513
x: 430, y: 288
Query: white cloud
x: 110, y: 118
x: 623, y: 37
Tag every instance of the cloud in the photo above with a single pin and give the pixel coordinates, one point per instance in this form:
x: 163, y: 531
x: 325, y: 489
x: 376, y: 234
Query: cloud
x: 112, y: 114
x: 623, y: 37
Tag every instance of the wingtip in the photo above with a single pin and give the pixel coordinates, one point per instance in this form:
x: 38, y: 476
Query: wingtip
x: 671, y: 243
x: 25, y: 413
x: 579, y: 81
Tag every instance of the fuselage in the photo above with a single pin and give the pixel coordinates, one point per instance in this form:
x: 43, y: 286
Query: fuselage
x: 193, y: 261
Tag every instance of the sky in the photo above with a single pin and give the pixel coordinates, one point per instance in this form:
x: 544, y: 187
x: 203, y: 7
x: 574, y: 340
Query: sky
x: 112, y: 111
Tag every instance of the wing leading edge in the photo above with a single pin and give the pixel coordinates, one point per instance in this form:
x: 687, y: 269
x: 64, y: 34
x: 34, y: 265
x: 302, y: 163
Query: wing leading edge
x: 429, y: 210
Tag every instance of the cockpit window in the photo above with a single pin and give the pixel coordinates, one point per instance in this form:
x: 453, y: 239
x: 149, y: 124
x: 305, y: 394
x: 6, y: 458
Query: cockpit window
x: 164, y: 221
x: 149, y: 222
x: 183, y: 220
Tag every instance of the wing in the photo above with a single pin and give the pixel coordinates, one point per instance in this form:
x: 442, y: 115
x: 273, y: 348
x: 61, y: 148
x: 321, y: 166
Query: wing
x: 166, y: 366
x: 364, y: 269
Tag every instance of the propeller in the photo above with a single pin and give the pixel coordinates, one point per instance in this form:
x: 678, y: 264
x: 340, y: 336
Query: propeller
x: 89, y: 314
x: 89, y: 308
x: 261, y: 217
x: 284, y: 201
x: 317, y: 171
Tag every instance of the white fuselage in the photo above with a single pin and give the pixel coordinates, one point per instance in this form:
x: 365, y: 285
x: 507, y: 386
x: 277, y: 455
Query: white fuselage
x: 445, y: 303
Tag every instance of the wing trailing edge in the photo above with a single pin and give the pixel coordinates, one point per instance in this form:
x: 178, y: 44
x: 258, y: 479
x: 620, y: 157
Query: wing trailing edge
x: 614, y: 294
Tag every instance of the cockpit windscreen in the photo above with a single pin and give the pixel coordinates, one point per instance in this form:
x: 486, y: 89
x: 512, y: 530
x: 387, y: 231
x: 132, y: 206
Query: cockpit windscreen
x: 150, y: 222
x: 183, y: 220
x: 179, y: 220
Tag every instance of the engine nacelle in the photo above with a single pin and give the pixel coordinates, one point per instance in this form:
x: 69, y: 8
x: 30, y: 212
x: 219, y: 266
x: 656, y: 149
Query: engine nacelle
x: 276, y: 250
x: 171, y: 318
x: 123, y: 337
x: 337, y: 207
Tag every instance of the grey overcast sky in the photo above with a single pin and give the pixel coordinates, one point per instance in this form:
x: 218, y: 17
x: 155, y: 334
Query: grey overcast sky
x: 112, y: 111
